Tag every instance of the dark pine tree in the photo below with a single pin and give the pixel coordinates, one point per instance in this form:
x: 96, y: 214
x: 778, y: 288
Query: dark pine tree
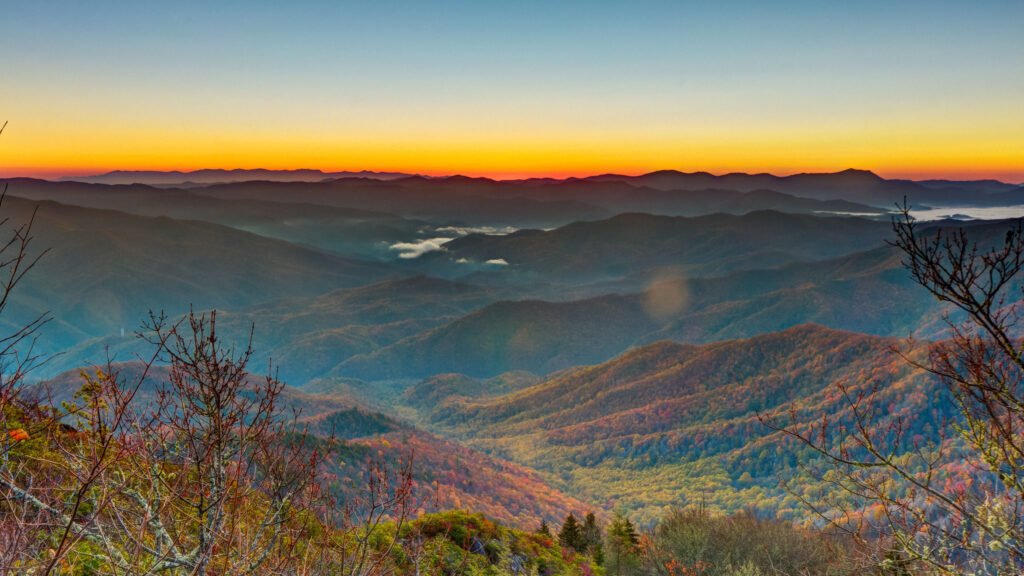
x: 571, y: 536
x: 591, y: 533
x: 630, y: 533
x: 621, y: 555
x: 544, y: 530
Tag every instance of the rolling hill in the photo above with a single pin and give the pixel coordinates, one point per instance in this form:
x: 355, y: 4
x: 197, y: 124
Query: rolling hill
x: 867, y: 291
x: 671, y: 424
x: 106, y: 270
x: 447, y: 475
x: 347, y: 231
x: 446, y: 386
x: 307, y: 336
x: 717, y: 244
x: 415, y: 197
x: 529, y: 335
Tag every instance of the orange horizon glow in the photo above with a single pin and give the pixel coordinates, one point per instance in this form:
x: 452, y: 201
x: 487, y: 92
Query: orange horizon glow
x: 973, y: 146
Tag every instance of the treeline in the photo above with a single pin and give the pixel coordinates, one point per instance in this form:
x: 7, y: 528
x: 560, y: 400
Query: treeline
x: 695, y: 542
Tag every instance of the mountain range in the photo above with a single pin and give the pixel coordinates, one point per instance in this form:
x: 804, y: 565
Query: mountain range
x: 105, y: 270
x: 618, y: 339
x: 216, y: 176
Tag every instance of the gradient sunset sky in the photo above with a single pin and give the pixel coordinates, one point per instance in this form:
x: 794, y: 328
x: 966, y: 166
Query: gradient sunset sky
x: 508, y: 89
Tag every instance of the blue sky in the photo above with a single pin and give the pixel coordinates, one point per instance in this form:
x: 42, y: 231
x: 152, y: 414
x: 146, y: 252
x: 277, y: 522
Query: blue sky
x: 691, y: 84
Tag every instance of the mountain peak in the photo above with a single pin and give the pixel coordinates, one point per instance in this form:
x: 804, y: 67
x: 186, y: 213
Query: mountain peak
x: 859, y: 173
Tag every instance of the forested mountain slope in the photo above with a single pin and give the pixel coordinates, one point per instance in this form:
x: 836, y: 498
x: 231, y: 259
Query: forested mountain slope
x: 672, y: 423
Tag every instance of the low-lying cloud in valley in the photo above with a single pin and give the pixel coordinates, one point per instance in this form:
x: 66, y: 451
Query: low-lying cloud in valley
x: 410, y: 250
x: 415, y: 249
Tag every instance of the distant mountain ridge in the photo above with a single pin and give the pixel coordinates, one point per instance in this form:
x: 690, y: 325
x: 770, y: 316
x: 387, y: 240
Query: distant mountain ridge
x: 860, y: 190
x: 851, y: 184
x: 107, y: 269
x: 697, y: 246
x: 218, y: 176
x: 349, y: 231
x: 527, y: 203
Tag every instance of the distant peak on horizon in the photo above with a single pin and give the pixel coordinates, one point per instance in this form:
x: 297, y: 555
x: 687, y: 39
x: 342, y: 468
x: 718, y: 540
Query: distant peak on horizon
x: 674, y: 172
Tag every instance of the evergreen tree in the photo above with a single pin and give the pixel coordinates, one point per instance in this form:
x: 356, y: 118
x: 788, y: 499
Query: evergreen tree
x: 571, y: 536
x: 591, y: 533
x: 544, y: 530
x: 630, y: 533
x: 622, y: 551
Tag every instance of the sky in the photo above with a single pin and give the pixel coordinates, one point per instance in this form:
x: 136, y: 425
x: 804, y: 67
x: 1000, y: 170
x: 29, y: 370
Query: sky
x: 512, y: 89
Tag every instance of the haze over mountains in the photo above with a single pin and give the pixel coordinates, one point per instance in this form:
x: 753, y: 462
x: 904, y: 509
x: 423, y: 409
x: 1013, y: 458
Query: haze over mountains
x: 589, y: 336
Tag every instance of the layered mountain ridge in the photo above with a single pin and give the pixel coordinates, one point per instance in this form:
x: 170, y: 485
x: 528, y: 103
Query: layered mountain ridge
x: 617, y: 338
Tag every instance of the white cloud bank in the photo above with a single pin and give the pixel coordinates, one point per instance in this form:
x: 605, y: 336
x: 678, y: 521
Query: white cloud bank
x: 410, y: 250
